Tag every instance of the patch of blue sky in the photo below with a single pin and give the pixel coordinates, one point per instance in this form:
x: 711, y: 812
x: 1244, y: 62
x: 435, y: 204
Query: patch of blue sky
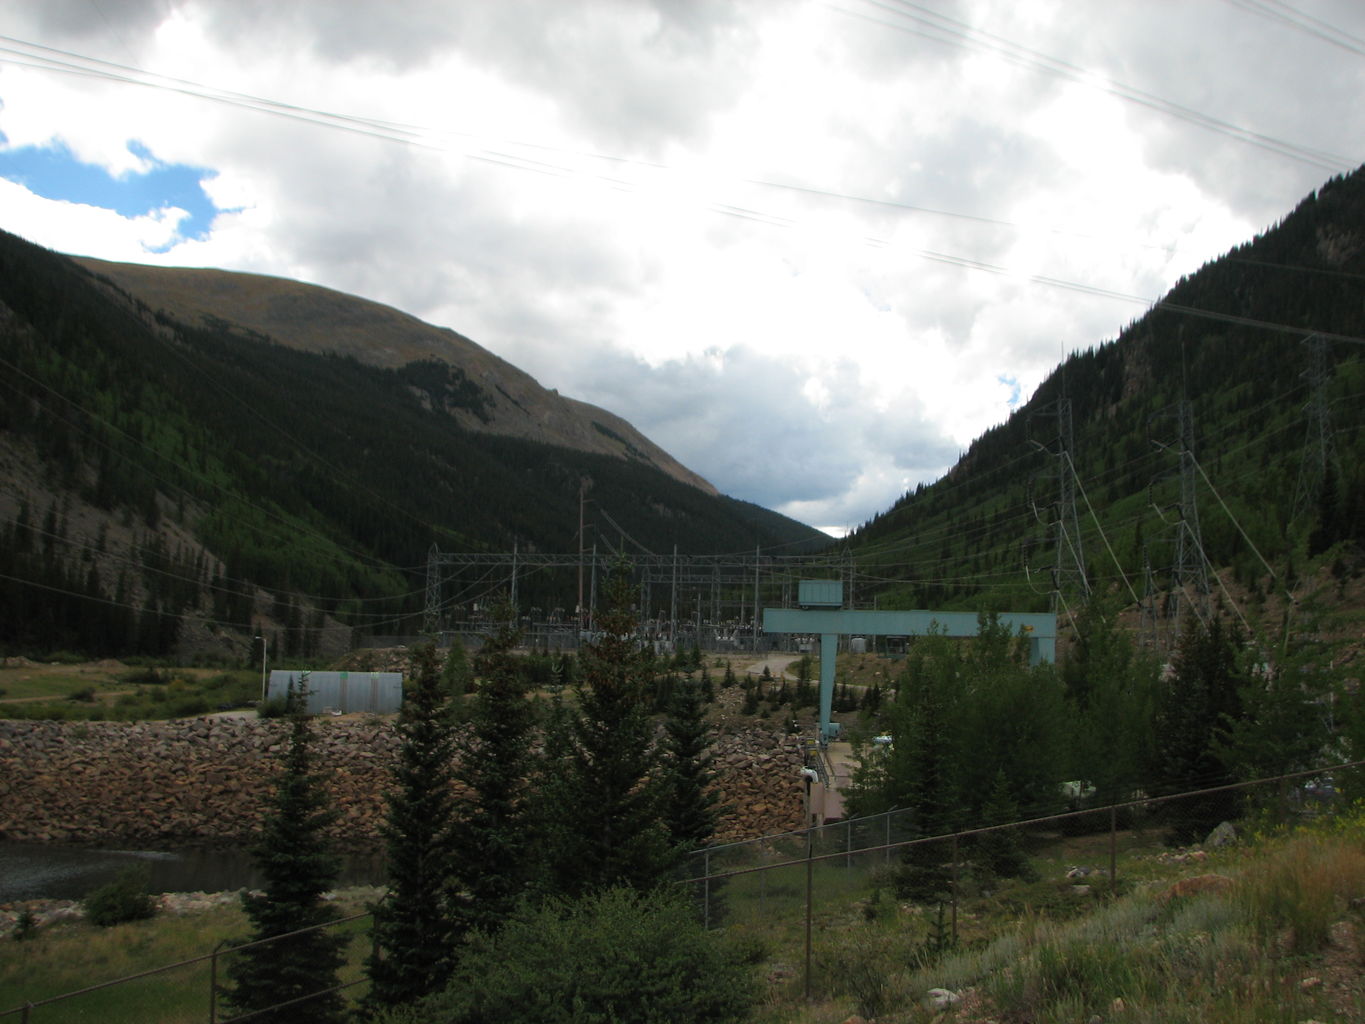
x: 1013, y: 384
x: 53, y: 172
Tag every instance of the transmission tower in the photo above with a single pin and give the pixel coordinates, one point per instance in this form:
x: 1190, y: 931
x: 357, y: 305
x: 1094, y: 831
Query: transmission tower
x: 1189, y: 577
x: 1319, y: 450
x: 1148, y: 619
x: 431, y: 616
x: 1068, y: 566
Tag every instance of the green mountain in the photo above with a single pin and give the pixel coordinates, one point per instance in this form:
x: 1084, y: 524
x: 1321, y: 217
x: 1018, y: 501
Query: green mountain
x: 1219, y: 436
x: 177, y: 477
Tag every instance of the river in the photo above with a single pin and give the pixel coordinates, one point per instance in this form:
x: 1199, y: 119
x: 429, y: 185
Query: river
x: 53, y: 871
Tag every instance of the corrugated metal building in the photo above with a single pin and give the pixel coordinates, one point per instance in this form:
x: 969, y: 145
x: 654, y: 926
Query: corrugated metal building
x: 341, y: 692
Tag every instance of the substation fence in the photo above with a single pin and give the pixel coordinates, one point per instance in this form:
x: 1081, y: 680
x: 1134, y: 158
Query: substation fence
x: 827, y: 871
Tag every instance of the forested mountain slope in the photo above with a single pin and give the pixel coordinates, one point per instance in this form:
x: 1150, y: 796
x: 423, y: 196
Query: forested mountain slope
x: 1273, y: 471
x: 162, y: 476
x: 493, y: 395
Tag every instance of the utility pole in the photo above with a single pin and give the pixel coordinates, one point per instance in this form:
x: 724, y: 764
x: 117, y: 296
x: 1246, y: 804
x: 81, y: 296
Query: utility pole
x: 758, y: 553
x: 1147, y: 611
x: 1068, y: 565
x: 582, y: 500
x: 431, y: 617
x: 673, y: 606
x: 1188, y: 569
x: 1319, y: 449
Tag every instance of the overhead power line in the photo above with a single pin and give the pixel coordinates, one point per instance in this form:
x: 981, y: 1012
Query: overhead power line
x: 942, y: 28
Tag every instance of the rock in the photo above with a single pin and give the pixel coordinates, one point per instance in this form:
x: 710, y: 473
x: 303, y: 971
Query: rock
x: 942, y: 998
x: 1225, y: 834
x: 1197, y: 885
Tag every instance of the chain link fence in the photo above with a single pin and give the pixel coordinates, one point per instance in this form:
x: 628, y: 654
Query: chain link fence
x: 801, y: 882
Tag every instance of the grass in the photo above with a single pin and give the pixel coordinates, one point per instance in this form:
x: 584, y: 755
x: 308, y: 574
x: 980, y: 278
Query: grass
x: 112, y: 692
x: 1036, y: 952
x: 1042, y: 953
x: 69, y: 957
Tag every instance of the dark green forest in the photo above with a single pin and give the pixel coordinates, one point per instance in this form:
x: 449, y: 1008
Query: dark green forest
x: 320, y: 479
x: 1264, y: 349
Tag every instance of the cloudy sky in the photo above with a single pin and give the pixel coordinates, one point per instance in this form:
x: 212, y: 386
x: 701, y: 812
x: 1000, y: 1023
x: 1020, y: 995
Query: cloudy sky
x: 811, y: 248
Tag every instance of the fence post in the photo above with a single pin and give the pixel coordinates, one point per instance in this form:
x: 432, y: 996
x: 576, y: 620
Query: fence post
x: 848, y: 845
x: 706, y: 891
x: 213, y: 982
x: 954, y: 888
x: 1113, y: 851
x: 810, y: 885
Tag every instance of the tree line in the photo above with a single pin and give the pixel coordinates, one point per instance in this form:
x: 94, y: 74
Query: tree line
x: 530, y: 853
x: 980, y: 737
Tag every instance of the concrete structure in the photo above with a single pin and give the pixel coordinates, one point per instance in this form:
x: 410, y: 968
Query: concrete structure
x: 822, y: 615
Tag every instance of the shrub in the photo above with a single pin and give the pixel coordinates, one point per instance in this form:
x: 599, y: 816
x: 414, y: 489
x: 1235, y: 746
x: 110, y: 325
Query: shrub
x: 618, y: 956
x: 145, y: 674
x: 189, y: 706
x: 123, y: 899
x: 276, y: 707
x: 25, y: 926
x: 85, y: 695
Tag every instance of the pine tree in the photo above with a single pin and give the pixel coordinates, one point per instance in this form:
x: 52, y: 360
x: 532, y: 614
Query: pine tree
x: 456, y: 674
x: 414, y: 929
x: 690, y: 810
x: 605, y: 827
x: 494, y: 844
x: 1195, y: 708
x: 298, y: 865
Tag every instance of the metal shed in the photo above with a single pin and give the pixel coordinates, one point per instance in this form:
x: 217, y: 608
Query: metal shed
x: 341, y: 692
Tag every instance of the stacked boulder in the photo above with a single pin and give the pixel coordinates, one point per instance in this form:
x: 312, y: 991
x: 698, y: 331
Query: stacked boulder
x: 207, y: 780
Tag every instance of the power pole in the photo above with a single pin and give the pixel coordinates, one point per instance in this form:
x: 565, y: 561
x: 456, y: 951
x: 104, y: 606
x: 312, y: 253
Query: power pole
x: 582, y: 500
x: 1068, y: 564
x: 1188, y: 569
x: 673, y: 604
x: 1147, y: 611
x: 431, y: 616
x: 1319, y: 449
x: 758, y: 553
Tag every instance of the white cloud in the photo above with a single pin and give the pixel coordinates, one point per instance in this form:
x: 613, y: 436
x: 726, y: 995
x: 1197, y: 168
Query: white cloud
x: 594, y: 192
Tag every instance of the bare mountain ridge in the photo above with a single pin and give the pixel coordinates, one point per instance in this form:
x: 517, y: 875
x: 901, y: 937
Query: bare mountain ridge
x: 317, y: 319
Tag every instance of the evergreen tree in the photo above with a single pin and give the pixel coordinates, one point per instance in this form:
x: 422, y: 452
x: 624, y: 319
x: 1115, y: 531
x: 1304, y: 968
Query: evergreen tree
x: 1002, y: 852
x: 1111, y: 691
x: 494, y: 843
x: 456, y: 675
x: 708, y: 688
x: 298, y: 865
x: 414, y: 928
x: 1195, y: 707
x: 690, y: 810
x: 605, y: 827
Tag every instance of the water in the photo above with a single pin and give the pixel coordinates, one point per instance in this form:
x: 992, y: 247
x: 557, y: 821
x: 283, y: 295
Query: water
x: 52, y: 871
